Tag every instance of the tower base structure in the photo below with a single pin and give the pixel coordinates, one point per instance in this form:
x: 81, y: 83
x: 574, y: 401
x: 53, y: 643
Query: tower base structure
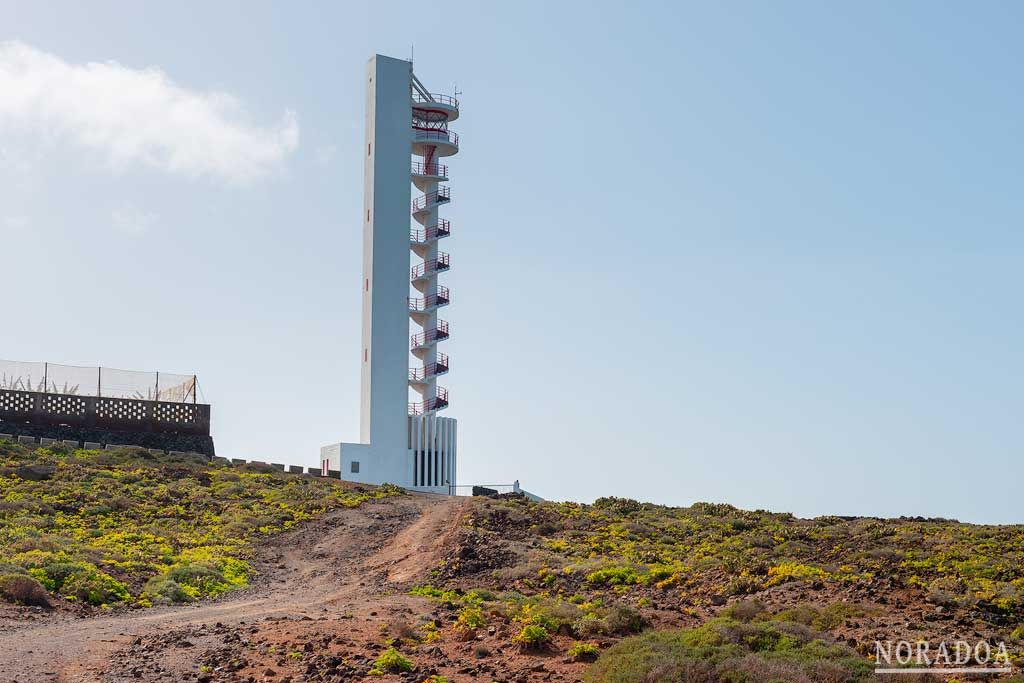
x: 428, y: 463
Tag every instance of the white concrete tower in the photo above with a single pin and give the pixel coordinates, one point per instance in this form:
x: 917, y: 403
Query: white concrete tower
x: 403, y: 441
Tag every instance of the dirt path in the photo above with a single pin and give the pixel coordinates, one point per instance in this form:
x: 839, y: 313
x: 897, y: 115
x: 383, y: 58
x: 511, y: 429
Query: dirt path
x: 354, y: 565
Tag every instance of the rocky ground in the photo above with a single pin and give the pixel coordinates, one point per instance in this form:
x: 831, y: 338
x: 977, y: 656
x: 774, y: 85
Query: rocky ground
x: 329, y: 598
x: 333, y: 596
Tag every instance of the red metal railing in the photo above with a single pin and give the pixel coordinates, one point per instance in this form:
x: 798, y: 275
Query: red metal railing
x: 441, y: 194
x: 431, y: 404
x: 442, y: 262
x: 429, y: 301
x: 435, y: 135
x: 442, y: 229
x: 429, y: 168
x: 440, y: 333
x: 428, y: 123
x: 447, y: 100
x: 441, y: 366
x: 431, y: 370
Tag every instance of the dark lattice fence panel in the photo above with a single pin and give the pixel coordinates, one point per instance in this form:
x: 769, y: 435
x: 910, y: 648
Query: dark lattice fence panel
x: 122, y: 410
x: 176, y: 413
x: 15, y: 402
x: 61, y: 405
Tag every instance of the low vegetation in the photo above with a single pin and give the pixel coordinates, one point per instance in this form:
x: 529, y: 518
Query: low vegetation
x: 711, y: 551
x: 21, y: 589
x: 391, y: 661
x: 729, y: 650
x: 127, y: 527
x: 583, y: 652
x: 533, y: 637
x: 618, y: 591
x: 714, y: 593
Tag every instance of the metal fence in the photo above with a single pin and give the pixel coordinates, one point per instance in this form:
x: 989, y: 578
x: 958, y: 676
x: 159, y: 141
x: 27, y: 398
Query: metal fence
x: 52, y: 378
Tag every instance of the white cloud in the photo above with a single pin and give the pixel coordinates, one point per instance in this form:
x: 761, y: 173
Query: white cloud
x: 138, y: 116
x: 130, y: 220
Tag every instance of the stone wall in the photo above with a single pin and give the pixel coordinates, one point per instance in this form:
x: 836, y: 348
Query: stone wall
x: 186, y: 443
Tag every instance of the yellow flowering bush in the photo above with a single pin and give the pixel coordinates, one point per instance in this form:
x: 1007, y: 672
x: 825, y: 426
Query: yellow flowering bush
x: 115, y: 527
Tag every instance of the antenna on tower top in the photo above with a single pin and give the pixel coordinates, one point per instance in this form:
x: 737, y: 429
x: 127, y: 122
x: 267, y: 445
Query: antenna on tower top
x: 456, y: 88
x: 412, y: 53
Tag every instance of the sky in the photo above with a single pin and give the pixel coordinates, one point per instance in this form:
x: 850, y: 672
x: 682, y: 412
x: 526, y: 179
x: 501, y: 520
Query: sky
x: 766, y: 254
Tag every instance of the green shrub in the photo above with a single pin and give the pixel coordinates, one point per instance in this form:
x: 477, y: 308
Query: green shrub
x: 391, y: 661
x: 623, y: 620
x: 834, y: 615
x: 614, y: 576
x: 55, y: 574
x: 621, y: 506
x: 476, y: 596
x: 532, y: 637
x: 744, y: 610
x: 471, y: 618
x: 714, y: 509
x: 794, y: 571
x: 385, y: 490
x: 94, y: 587
x: 743, y: 585
x: 165, y: 591
x: 198, y: 579
x: 554, y: 614
x: 435, y: 593
x: 34, y: 559
x: 589, y: 625
x: 728, y: 650
x: 35, y: 543
x: 819, y: 618
x: 583, y: 652
x: 800, y: 614
x: 23, y: 590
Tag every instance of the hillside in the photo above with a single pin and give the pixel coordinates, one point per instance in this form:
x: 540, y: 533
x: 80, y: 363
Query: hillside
x: 296, y: 578
x: 128, y: 528
x: 735, y: 595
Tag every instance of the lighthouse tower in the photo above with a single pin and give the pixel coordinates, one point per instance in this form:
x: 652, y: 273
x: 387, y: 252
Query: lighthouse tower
x: 403, y: 439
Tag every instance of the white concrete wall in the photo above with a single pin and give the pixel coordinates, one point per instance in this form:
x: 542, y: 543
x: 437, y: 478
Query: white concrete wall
x: 373, y: 467
x: 386, y: 259
x: 332, y: 454
x: 386, y: 262
x: 370, y: 466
